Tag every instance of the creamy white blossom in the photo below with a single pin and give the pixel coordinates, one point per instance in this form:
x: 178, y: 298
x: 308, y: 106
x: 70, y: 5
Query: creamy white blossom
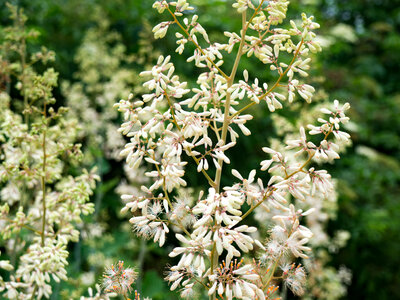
x: 174, y: 126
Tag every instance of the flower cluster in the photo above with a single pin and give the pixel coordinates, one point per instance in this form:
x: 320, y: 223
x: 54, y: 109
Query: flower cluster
x: 41, y: 202
x: 104, y: 75
x: 174, y: 125
x: 119, y: 279
x: 235, y: 281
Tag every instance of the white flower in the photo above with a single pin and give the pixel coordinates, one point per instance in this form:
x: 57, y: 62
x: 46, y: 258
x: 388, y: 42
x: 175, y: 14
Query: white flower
x: 195, y: 252
x: 119, y: 279
x: 171, y: 129
x: 235, y: 281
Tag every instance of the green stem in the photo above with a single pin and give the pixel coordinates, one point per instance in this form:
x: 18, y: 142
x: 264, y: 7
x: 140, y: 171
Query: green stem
x: 272, y: 272
x: 227, y: 119
x: 34, y: 292
x: 43, y: 177
x: 196, y: 44
x: 43, y: 182
x: 210, y: 181
x: 22, y: 53
x: 275, y: 85
x: 23, y: 225
x: 300, y: 169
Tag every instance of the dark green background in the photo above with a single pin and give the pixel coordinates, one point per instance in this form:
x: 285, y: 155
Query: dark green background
x: 365, y: 72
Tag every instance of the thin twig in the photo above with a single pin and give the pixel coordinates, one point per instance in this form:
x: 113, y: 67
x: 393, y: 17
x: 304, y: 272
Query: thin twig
x: 210, y: 181
x: 274, y: 86
x: 196, y: 44
x: 227, y: 119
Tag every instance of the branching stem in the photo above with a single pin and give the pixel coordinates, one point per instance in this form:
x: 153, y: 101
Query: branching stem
x: 300, y: 169
x: 196, y: 44
x: 274, y: 86
x: 245, y: 25
x: 210, y: 181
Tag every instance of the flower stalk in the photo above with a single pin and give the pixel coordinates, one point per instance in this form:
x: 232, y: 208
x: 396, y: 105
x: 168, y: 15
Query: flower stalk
x: 214, y: 252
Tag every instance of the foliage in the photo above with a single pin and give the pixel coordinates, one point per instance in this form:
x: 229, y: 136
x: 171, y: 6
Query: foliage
x: 369, y: 206
x: 359, y: 61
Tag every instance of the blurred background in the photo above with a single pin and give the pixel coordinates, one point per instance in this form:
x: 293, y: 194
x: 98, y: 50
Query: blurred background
x: 101, y: 47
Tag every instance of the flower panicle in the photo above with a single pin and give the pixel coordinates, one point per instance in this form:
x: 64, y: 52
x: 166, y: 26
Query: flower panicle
x: 175, y: 125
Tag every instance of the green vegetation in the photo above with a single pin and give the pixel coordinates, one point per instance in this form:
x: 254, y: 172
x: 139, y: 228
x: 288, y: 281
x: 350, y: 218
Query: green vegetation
x: 360, y: 64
